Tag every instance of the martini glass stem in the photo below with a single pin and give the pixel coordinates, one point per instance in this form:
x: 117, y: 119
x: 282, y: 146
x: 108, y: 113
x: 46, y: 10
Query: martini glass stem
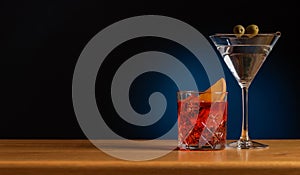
x: 245, y: 135
x: 245, y: 142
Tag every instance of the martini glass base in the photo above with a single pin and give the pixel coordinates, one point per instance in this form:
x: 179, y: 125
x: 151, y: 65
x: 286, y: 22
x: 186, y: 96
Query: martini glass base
x: 246, y: 144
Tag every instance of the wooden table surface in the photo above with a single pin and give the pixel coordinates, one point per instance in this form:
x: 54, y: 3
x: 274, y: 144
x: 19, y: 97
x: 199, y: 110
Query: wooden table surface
x: 43, y: 157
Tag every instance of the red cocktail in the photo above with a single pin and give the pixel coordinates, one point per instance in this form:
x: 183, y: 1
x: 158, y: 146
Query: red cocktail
x: 202, y: 121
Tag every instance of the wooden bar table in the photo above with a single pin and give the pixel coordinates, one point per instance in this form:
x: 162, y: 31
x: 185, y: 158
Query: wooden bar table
x: 74, y: 157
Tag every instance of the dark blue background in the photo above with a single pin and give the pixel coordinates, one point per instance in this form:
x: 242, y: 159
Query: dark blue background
x: 42, y: 40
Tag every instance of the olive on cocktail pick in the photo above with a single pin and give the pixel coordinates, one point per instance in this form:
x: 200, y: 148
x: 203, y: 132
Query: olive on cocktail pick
x: 238, y: 30
x: 252, y: 30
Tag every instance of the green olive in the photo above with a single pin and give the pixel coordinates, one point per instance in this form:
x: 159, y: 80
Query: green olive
x: 238, y: 30
x: 252, y: 30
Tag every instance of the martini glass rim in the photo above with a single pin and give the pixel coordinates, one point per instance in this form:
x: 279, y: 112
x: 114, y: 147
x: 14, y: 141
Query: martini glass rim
x: 278, y: 33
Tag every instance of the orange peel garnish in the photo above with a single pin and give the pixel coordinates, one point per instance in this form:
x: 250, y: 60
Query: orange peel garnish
x: 215, y: 92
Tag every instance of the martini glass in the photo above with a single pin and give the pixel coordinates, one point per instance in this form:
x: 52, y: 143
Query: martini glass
x: 244, y: 56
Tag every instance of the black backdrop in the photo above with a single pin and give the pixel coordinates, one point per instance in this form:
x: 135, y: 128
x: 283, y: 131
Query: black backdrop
x: 42, y: 40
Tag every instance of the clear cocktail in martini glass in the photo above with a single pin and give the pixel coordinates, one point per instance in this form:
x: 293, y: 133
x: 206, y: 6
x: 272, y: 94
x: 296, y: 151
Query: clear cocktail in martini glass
x: 244, y: 57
